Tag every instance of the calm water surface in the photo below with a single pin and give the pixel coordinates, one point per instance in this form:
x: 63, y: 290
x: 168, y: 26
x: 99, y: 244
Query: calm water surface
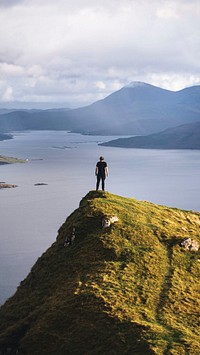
x: 31, y: 215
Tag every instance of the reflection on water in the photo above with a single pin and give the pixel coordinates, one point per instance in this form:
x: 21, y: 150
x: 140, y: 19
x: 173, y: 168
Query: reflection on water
x: 64, y: 162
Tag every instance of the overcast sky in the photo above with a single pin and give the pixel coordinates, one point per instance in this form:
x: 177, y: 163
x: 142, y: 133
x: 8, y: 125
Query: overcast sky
x: 79, y: 51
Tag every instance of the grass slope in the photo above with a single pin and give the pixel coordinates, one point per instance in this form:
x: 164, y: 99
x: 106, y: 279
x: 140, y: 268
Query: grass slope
x: 126, y: 289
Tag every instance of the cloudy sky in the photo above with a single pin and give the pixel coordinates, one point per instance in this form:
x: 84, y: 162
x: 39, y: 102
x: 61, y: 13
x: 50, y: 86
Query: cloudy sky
x: 79, y: 51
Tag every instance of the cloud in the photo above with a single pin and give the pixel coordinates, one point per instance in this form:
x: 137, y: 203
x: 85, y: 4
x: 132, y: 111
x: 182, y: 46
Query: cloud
x: 82, y: 50
x: 9, y: 3
x: 7, y: 95
x: 10, y: 70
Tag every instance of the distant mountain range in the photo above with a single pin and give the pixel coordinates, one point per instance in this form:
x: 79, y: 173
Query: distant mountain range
x: 19, y: 120
x: 136, y: 109
x: 25, y: 105
x: 182, y: 137
x: 139, y: 108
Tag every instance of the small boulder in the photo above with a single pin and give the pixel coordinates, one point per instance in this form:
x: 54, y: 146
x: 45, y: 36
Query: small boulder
x: 186, y: 243
x: 114, y: 219
x: 194, y: 246
x: 189, y: 244
x: 70, y: 238
x: 107, y: 221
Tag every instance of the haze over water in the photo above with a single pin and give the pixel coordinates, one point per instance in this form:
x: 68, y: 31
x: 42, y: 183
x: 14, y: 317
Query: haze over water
x: 31, y: 215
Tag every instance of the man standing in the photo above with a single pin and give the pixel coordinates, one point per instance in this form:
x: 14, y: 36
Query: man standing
x: 101, y: 172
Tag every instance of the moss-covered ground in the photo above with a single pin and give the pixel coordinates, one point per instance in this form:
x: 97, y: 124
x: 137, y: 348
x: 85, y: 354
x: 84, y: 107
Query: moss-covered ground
x: 126, y: 289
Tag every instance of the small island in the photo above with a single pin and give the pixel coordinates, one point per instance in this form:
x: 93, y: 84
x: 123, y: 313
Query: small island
x: 11, y: 160
x: 3, y: 185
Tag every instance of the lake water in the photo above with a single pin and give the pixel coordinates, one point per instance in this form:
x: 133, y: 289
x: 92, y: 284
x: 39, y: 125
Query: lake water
x: 31, y: 215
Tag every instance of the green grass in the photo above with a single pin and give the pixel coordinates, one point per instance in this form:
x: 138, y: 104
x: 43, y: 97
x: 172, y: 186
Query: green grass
x: 127, y: 289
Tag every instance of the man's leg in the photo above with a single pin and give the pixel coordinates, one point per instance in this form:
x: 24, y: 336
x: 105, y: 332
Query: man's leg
x: 98, y: 182
x: 103, y: 183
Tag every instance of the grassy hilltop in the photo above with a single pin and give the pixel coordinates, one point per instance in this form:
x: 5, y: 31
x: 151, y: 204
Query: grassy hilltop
x: 126, y: 289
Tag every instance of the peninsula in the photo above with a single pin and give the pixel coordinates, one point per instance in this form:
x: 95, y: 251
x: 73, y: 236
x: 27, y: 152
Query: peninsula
x: 121, y: 278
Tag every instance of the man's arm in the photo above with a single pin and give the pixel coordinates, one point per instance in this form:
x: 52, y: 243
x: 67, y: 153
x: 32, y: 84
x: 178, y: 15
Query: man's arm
x: 106, y: 171
x: 96, y: 170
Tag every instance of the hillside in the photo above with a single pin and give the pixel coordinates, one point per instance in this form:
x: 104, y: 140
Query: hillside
x: 129, y: 288
x: 19, y: 120
x: 137, y: 109
x: 5, y: 136
x: 182, y: 137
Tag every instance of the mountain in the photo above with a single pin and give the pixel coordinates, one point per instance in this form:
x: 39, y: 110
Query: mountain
x: 4, y: 137
x: 137, y: 109
x: 182, y: 137
x: 19, y: 120
x: 128, y: 288
x: 25, y: 105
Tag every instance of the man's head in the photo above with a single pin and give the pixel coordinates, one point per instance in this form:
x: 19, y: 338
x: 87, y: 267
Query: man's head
x: 101, y: 158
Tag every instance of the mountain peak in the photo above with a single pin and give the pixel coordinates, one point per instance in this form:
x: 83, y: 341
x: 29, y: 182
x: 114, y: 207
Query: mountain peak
x: 129, y: 288
x: 135, y: 84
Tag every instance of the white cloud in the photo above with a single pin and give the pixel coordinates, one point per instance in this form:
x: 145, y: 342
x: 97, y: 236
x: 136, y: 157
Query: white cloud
x: 82, y: 50
x: 100, y: 85
x: 8, y: 94
x: 10, y: 70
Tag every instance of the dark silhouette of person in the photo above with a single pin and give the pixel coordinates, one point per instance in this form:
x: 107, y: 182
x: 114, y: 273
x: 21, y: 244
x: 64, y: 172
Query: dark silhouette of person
x: 101, y: 172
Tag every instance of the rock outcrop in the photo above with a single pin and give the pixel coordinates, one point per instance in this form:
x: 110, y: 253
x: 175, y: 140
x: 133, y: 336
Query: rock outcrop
x: 107, y: 221
x: 189, y: 244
